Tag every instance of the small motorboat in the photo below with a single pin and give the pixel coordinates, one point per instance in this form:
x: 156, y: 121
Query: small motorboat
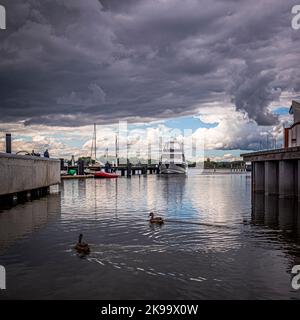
x: 105, y: 175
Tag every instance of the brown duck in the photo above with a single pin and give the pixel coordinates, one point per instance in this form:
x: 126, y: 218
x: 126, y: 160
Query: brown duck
x: 82, y: 247
x: 157, y: 220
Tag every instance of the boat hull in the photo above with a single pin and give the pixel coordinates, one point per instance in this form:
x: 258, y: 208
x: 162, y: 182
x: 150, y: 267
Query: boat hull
x: 172, y: 169
x: 105, y: 175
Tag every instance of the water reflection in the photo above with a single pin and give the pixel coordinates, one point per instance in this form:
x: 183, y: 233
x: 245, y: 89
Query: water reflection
x: 21, y: 220
x: 209, y: 251
x: 276, y: 213
x: 173, y: 190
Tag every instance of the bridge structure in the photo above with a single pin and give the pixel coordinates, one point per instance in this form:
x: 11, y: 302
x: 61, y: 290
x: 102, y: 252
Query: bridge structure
x: 276, y: 172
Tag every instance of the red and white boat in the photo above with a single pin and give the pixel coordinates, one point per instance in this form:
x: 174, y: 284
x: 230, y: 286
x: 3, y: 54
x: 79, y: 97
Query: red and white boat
x: 105, y: 175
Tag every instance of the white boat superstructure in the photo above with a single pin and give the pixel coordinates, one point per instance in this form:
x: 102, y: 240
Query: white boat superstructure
x: 173, y: 159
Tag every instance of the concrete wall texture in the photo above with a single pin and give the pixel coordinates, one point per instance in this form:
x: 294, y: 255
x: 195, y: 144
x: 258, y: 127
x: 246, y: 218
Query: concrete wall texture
x: 294, y: 136
x: 276, y: 172
x: 24, y: 173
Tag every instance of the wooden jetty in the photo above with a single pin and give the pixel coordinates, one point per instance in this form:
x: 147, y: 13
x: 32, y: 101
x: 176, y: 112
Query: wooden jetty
x: 129, y: 170
x: 81, y: 176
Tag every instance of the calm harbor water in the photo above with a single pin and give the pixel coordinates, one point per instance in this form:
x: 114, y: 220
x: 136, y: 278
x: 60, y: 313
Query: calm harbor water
x: 215, y: 244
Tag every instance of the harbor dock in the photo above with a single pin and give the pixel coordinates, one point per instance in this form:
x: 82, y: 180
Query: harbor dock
x: 277, y: 172
x: 129, y: 170
x: 81, y: 176
x: 20, y: 175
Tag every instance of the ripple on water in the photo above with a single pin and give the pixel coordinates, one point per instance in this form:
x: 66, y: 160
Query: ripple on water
x: 210, y: 238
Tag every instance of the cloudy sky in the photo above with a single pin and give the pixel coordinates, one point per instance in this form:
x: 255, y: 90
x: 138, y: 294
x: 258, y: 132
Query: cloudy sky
x: 226, y: 69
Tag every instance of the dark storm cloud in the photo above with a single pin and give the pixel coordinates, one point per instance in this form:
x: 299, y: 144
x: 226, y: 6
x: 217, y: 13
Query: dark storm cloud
x: 73, y: 62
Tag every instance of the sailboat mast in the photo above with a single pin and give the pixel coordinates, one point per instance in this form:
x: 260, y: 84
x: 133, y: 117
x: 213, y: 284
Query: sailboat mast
x: 149, y: 152
x: 95, y: 135
x: 92, y: 147
x: 117, y: 150
x: 160, y: 151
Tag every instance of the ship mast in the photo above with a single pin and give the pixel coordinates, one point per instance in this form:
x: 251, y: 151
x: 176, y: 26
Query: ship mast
x: 94, y: 144
x: 95, y: 137
x: 117, y: 150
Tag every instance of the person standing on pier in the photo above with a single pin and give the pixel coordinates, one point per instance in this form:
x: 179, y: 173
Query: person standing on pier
x: 46, y: 154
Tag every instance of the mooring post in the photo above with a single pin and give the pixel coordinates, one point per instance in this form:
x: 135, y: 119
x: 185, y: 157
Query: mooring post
x: 144, y: 170
x: 128, y: 169
x: 81, y: 167
x: 62, y: 164
x: 8, y: 143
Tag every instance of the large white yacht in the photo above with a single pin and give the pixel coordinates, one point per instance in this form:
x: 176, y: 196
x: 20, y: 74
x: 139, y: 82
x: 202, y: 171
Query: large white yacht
x: 173, y: 159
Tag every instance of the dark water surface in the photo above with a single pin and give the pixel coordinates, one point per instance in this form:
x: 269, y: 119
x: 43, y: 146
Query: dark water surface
x: 214, y: 245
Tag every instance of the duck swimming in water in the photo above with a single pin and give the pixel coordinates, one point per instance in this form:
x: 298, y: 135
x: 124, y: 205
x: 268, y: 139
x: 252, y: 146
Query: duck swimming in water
x: 82, y: 247
x: 157, y: 220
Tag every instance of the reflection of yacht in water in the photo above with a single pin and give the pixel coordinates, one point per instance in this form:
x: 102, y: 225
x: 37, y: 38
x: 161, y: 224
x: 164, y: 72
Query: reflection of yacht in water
x: 173, y: 159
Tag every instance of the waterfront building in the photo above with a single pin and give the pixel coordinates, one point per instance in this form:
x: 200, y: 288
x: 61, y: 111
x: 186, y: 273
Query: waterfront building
x: 292, y: 134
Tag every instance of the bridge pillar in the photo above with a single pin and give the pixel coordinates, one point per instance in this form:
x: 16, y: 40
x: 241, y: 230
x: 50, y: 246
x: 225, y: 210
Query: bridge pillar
x: 259, y: 176
x: 286, y: 179
x: 271, y: 177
